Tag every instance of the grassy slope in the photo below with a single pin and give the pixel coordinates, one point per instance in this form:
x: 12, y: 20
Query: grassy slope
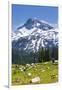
x: 50, y: 74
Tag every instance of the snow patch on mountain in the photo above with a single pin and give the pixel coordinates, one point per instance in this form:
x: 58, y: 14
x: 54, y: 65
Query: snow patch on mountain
x: 35, y: 34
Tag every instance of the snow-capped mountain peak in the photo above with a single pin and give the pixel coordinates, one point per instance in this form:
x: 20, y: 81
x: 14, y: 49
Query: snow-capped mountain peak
x: 35, y: 34
x: 41, y: 24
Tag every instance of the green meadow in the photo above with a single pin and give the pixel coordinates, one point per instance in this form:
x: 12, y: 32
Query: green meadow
x: 23, y: 74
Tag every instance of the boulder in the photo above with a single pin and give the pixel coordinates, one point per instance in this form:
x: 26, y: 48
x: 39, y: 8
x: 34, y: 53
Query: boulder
x: 32, y: 64
x: 35, y: 80
x: 56, y: 61
x: 27, y: 65
x: 21, y: 69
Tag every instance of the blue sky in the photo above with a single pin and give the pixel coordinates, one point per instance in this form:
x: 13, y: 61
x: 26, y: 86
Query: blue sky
x: 20, y: 13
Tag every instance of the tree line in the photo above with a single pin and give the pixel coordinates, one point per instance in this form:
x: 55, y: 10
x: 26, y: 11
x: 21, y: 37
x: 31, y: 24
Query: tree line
x: 43, y: 55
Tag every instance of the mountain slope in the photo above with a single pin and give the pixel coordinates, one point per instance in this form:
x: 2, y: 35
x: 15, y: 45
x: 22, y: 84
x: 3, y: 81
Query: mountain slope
x: 33, y: 35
